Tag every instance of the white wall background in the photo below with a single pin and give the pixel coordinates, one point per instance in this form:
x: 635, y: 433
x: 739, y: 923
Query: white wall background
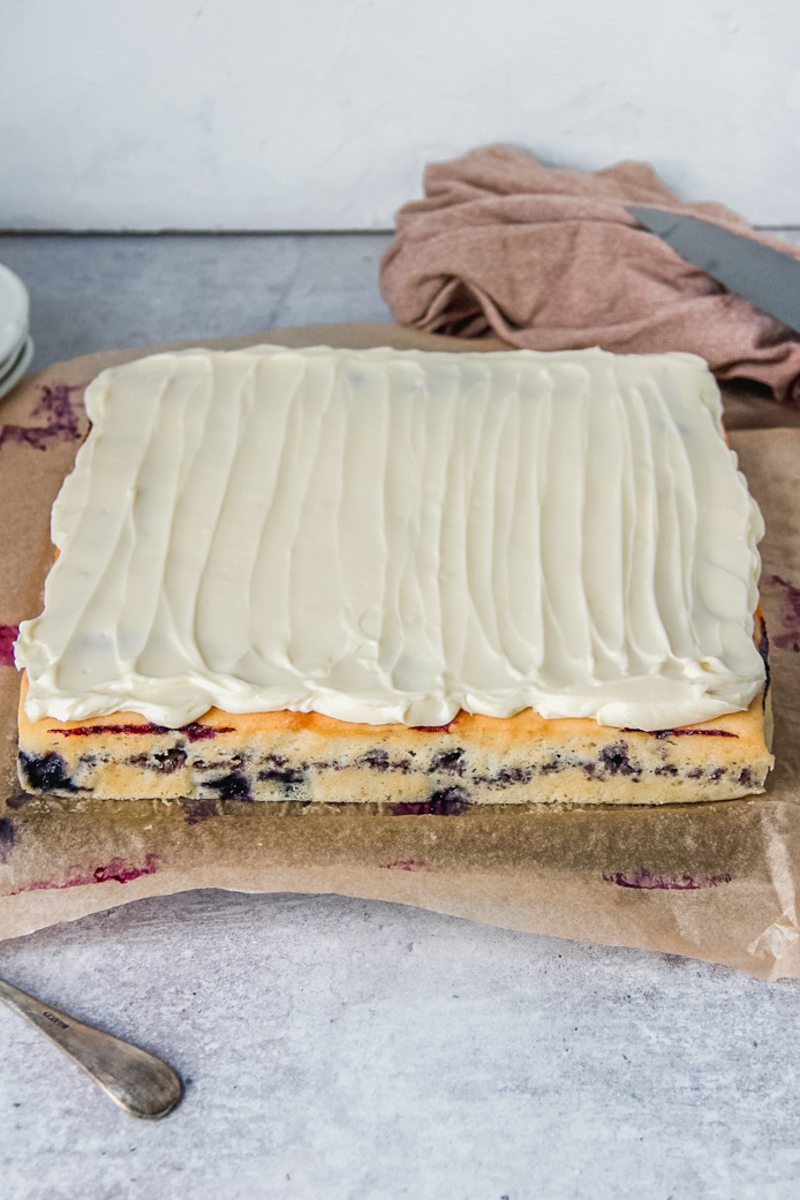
x: 319, y: 114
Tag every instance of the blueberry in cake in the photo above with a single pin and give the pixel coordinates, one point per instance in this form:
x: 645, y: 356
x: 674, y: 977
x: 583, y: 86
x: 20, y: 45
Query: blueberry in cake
x: 424, y: 579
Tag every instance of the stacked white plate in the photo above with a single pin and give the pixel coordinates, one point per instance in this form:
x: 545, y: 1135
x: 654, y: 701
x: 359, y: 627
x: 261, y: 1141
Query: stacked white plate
x: 16, y: 345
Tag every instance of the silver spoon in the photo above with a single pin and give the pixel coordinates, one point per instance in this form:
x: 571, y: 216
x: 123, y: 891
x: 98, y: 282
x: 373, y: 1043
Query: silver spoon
x: 139, y: 1082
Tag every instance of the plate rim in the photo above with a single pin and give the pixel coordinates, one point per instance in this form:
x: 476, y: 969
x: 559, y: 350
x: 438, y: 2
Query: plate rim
x: 15, y: 321
x: 18, y: 368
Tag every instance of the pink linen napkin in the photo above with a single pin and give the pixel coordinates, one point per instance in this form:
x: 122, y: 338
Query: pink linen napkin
x: 549, y: 258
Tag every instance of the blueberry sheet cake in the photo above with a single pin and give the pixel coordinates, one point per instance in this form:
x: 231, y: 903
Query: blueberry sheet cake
x: 423, y: 579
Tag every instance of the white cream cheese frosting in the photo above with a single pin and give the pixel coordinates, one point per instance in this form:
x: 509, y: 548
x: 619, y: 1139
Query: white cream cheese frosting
x: 388, y: 536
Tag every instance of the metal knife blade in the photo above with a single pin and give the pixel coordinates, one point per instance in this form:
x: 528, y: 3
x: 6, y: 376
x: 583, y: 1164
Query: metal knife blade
x: 767, y: 278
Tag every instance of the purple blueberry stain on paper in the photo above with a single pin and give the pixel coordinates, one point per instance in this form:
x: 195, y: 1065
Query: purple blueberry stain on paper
x: 789, y: 638
x: 121, y: 872
x: 197, y: 809
x: 117, y: 870
x: 59, y: 420
x: 650, y: 881
x: 404, y: 864
x: 8, y: 635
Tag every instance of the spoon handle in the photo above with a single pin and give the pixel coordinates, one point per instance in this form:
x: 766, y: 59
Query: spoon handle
x: 139, y: 1082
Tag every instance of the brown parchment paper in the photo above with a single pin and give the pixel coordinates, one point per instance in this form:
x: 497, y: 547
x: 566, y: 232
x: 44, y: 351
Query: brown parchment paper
x: 713, y: 881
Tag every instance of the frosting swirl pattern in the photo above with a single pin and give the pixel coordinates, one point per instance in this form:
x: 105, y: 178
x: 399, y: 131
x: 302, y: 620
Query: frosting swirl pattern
x: 391, y: 536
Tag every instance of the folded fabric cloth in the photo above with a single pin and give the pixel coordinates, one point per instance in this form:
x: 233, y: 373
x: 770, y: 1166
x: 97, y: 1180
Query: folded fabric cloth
x: 550, y: 259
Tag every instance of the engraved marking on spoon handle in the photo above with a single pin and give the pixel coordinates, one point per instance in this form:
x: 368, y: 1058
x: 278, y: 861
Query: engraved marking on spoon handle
x: 139, y: 1082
